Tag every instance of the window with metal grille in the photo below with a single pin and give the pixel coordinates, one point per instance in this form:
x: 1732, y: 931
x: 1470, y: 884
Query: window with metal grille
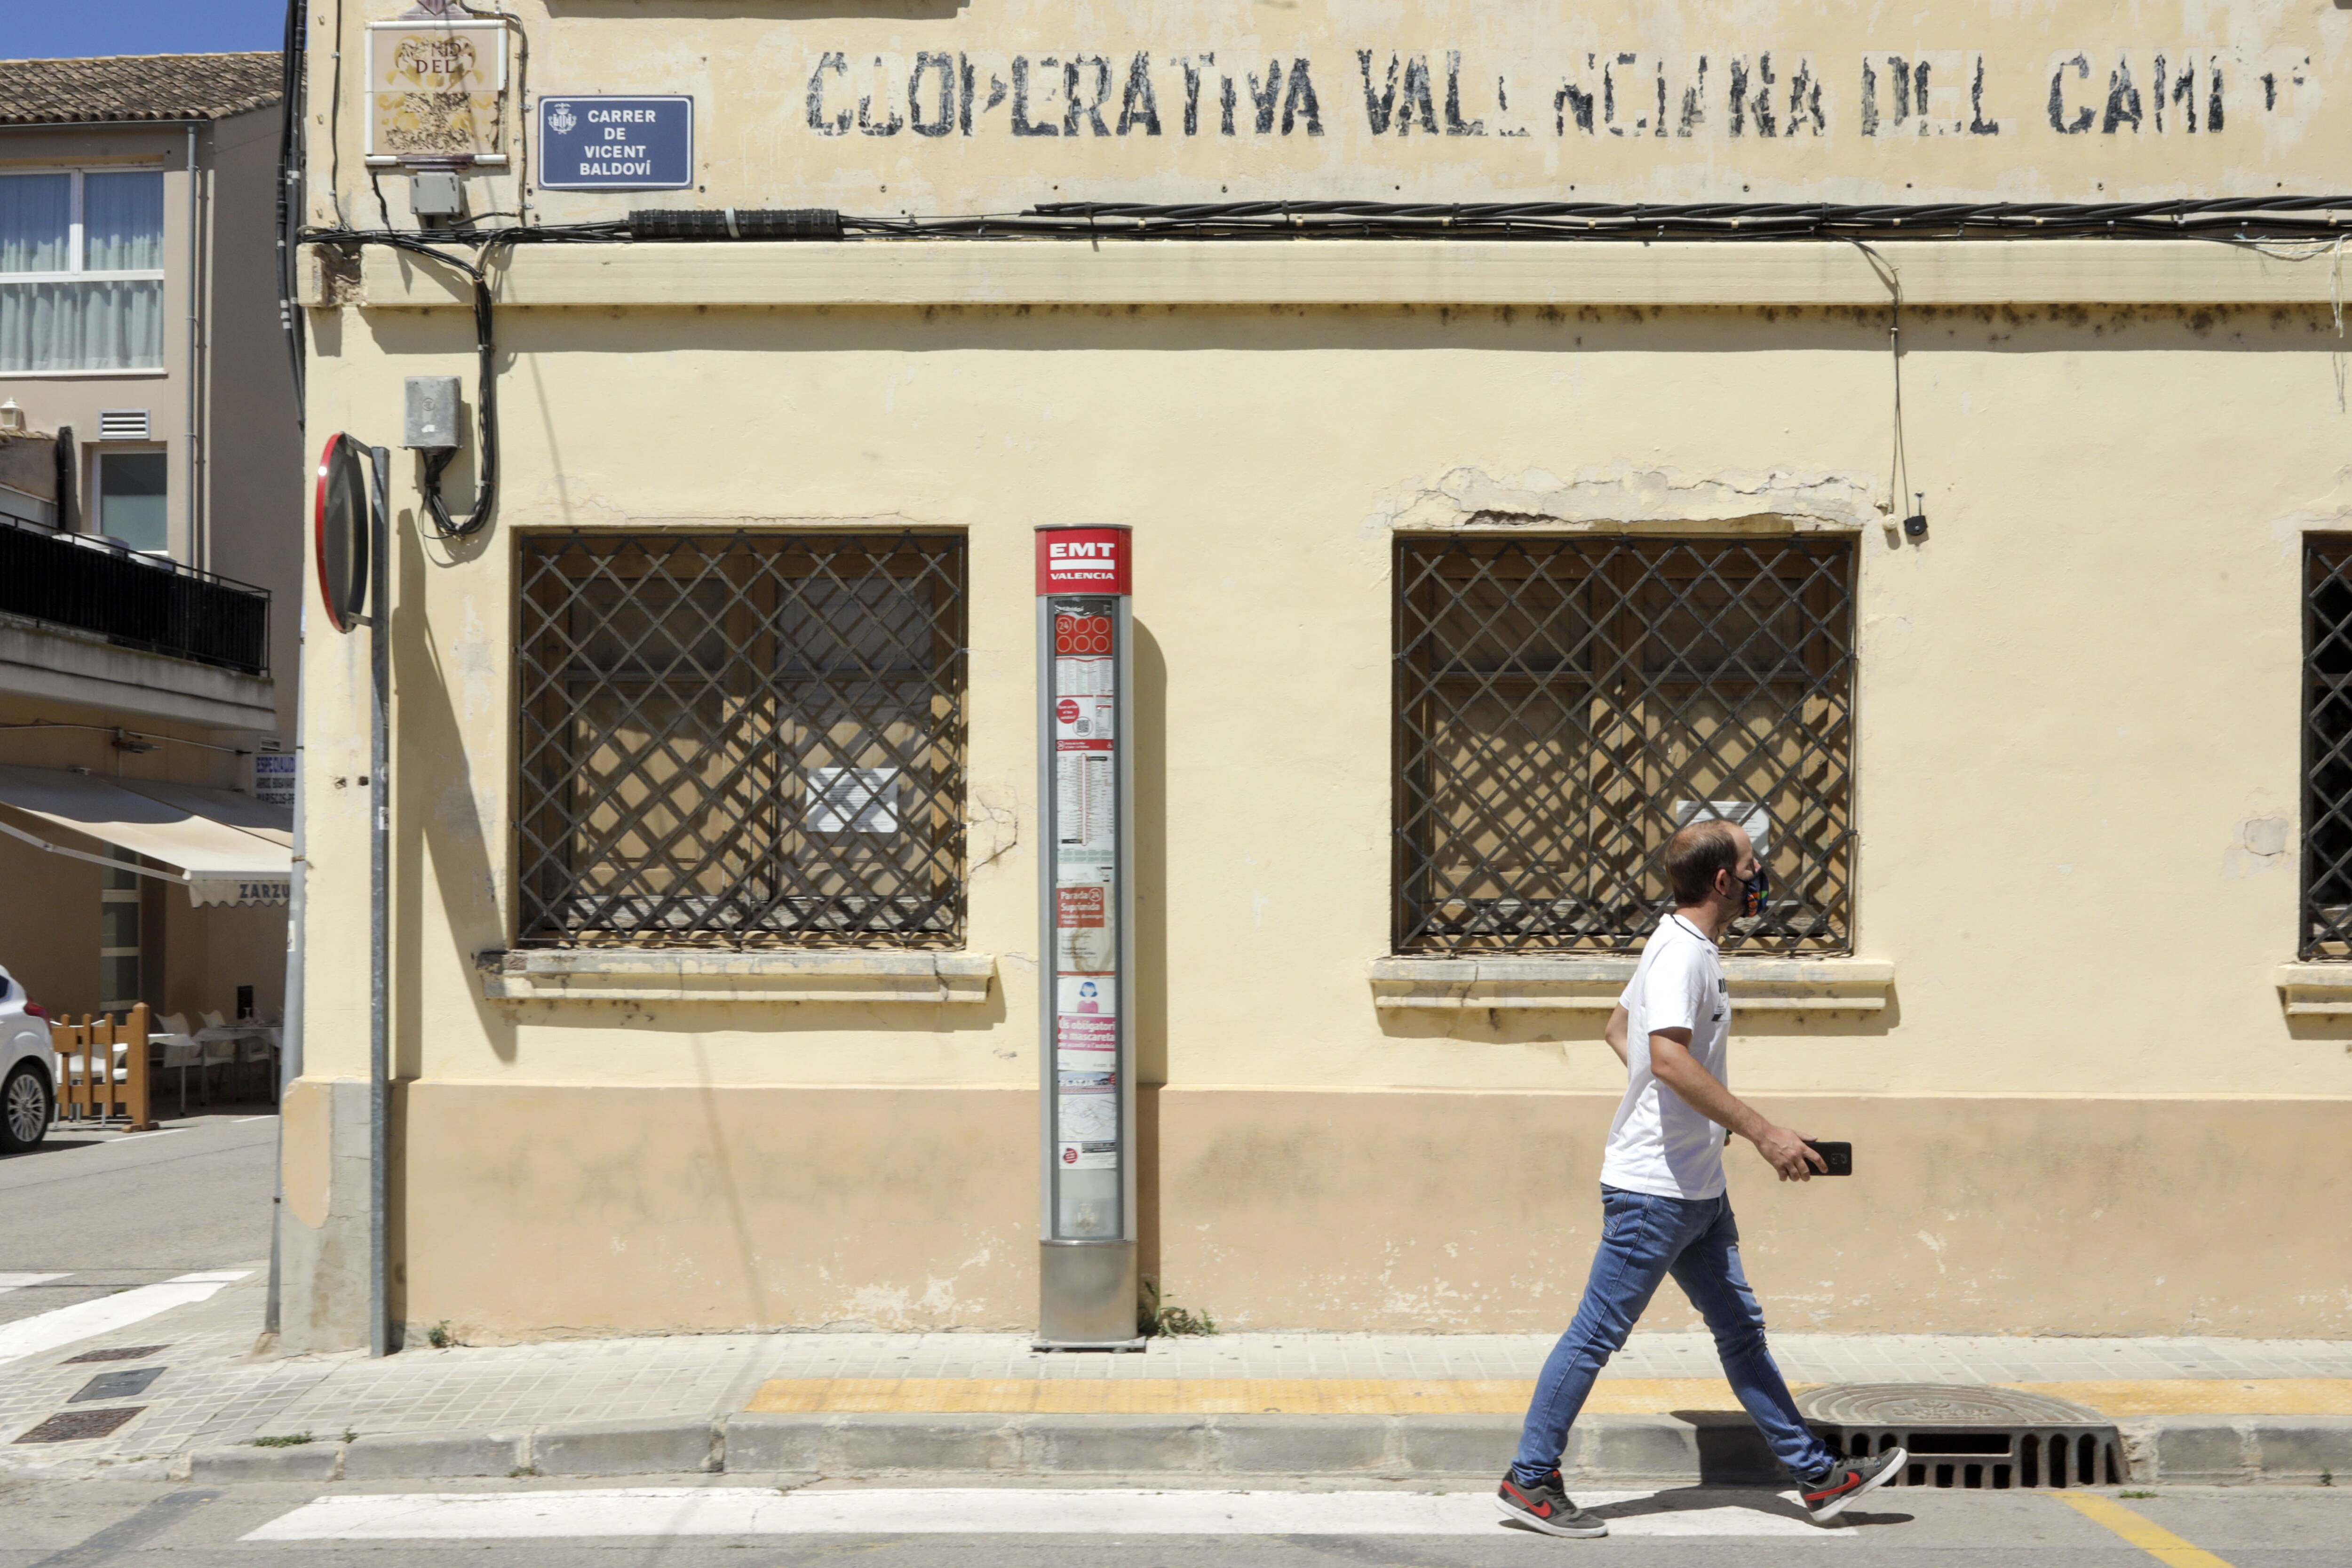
x: 2326, y: 747
x: 1564, y: 704
x: 743, y: 739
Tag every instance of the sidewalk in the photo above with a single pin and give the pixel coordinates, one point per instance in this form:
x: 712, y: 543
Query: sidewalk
x: 2191, y: 1409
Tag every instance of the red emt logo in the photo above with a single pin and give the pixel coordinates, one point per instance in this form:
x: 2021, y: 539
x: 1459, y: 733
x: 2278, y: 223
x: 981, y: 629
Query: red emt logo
x: 1082, y: 561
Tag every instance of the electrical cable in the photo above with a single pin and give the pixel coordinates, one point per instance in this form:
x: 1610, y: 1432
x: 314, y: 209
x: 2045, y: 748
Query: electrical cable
x: 2254, y: 220
x: 292, y: 81
x: 335, y: 129
x: 2275, y: 215
x: 1898, y: 472
x: 522, y: 100
x: 476, y: 274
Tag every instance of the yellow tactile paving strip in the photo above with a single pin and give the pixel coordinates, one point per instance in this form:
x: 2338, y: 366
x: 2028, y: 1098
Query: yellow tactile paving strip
x: 2208, y: 1396
x: 1456, y: 1396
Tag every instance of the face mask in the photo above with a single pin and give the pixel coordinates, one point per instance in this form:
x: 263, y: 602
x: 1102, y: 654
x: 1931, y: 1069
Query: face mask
x: 1752, y: 893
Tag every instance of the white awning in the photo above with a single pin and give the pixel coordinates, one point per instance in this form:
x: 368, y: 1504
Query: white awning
x: 228, y: 848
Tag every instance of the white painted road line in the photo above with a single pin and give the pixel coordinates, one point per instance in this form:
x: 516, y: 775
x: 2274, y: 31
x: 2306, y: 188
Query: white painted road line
x: 657, y: 1511
x: 18, y: 1282
x: 63, y: 1325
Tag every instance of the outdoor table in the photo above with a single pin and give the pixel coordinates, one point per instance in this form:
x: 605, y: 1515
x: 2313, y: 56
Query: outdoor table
x: 245, y: 1042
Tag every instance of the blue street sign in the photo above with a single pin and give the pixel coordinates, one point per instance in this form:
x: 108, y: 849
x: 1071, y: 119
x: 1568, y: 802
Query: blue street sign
x: 615, y: 143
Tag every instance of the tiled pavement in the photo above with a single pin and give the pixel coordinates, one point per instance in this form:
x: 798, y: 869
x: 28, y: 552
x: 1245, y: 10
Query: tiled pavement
x: 217, y: 1391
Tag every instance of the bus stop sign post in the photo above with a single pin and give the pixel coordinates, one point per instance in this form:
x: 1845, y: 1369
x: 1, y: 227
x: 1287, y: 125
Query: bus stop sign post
x: 1087, y: 1286
x: 352, y: 534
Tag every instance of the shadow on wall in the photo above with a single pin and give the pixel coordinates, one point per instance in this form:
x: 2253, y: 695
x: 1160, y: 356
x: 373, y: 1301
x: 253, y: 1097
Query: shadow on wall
x: 1566, y: 1028
x: 437, y: 807
x: 1381, y: 329
x: 1149, y: 986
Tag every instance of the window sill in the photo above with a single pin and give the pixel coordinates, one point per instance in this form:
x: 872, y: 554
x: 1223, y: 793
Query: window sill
x: 2315, y: 990
x: 1592, y: 982
x: 151, y: 373
x: 683, y: 975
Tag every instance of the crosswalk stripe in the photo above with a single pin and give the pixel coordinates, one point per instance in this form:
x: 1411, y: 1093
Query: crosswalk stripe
x: 18, y: 1282
x: 63, y: 1325
x: 651, y: 1511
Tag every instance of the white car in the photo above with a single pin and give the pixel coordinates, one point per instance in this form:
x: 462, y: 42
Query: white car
x: 29, y: 1096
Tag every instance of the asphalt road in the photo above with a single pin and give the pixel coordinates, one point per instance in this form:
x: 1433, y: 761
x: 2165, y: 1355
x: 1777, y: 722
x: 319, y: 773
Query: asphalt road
x: 87, y: 1213
x: 91, y: 1524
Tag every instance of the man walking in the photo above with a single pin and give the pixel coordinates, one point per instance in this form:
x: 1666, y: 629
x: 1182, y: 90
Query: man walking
x: 1663, y: 1206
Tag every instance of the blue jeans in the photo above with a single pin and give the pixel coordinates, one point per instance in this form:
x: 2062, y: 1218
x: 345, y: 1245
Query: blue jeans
x: 1642, y: 1240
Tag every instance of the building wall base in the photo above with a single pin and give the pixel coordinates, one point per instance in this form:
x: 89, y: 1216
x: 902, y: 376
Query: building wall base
x: 530, y: 1210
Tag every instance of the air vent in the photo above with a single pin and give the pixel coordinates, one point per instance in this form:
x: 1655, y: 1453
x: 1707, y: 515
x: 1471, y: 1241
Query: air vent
x: 122, y: 424
x: 1966, y: 1435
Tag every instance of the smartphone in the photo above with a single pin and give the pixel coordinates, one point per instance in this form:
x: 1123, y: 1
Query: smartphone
x: 1838, y: 1156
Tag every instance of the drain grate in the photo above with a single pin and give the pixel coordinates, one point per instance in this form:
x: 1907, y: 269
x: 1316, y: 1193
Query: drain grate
x: 1964, y: 1434
x: 73, y: 1426
x: 120, y: 1352
x: 117, y: 1385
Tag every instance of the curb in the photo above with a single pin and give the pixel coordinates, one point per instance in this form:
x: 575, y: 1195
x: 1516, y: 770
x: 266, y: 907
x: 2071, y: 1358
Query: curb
x: 1714, y: 1449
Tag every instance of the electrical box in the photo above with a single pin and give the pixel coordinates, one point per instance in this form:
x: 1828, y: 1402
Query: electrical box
x: 437, y: 199
x: 434, y: 414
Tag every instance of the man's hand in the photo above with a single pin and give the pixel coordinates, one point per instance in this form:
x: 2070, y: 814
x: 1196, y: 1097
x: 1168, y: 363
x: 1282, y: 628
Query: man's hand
x: 1787, y: 1153
x: 1673, y: 1065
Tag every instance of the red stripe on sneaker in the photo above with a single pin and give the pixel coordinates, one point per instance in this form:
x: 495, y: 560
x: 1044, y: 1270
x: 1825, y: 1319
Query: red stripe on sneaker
x: 1853, y: 1479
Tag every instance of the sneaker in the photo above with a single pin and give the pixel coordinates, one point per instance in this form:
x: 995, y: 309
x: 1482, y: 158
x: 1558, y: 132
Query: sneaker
x: 1547, y: 1507
x: 1848, y: 1480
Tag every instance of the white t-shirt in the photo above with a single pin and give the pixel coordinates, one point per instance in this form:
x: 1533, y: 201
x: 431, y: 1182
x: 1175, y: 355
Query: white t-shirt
x: 1659, y: 1145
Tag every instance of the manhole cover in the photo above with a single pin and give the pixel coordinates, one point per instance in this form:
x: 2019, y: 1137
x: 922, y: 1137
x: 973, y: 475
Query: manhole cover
x: 120, y: 1352
x: 117, y: 1385
x: 1966, y: 1434
x: 76, y: 1425
x: 1940, y: 1405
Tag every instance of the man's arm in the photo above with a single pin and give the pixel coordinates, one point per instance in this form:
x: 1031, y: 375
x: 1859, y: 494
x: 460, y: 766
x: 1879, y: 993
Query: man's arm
x: 1672, y: 1064
x: 1615, y: 1034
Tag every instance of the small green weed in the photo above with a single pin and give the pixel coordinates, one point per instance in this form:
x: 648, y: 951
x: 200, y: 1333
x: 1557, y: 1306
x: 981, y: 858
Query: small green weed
x: 284, y: 1440
x: 2134, y: 1494
x: 519, y: 1471
x: 439, y: 1336
x: 2327, y: 1478
x: 1155, y: 1317
x: 350, y: 1436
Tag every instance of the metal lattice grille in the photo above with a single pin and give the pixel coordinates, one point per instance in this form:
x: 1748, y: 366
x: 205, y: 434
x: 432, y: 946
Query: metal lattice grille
x: 1564, y: 704
x: 2326, y: 747
x: 742, y: 739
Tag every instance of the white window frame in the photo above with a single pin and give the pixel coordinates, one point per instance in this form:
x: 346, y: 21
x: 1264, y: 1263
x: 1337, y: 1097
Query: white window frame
x: 111, y: 893
x: 76, y: 272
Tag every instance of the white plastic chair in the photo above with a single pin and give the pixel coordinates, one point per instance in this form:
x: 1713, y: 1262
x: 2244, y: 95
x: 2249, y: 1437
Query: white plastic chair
x: 180, y: 1050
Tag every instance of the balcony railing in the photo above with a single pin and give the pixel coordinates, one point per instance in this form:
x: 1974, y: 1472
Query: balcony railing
x: 138, y: 601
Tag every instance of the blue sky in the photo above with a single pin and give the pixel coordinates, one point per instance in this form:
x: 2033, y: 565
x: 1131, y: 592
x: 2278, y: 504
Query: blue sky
x: 47, y: 29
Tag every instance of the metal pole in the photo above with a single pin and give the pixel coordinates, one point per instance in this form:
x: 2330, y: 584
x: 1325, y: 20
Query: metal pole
x: 379, y: 922
x: 289, y: 1031
x: 198, y: 554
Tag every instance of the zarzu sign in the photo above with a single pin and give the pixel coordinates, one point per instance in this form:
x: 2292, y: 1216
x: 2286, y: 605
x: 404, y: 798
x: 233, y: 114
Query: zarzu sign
x: 998, y: 109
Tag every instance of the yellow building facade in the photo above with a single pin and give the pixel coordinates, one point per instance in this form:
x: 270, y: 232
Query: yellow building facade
x: 1467, y: 561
